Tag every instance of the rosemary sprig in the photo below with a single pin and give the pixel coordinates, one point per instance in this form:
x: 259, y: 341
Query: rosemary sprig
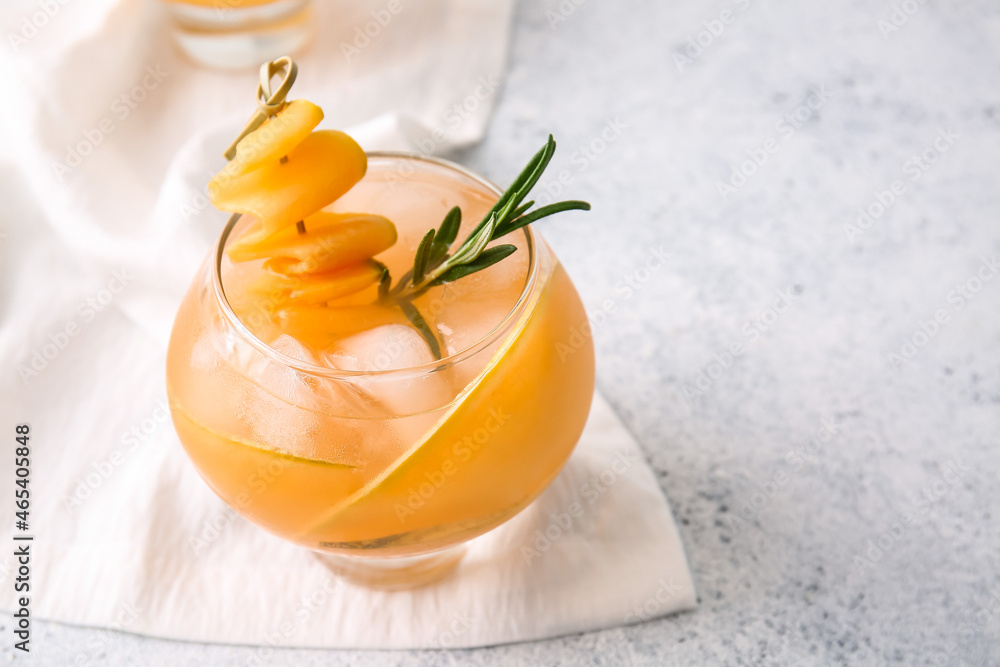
x: 433, y: 266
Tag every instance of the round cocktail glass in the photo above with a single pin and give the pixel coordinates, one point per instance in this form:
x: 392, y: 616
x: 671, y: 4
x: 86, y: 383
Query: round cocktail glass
x: 387, y: 472
x: 232, y: 34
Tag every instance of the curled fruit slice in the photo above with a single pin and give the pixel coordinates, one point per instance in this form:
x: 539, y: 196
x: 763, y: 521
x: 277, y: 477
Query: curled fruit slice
x: 322, y: 287
x: 320, y: 326
x: 317, y: 288
x: 275, y: 138
x: 331, y: 241
x: 321, y: 168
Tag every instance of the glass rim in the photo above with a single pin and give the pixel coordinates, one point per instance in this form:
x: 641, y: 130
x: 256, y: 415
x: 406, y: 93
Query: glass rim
x: 450, y: 360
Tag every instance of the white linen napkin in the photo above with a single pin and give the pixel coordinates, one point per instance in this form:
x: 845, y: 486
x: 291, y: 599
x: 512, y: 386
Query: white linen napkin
x: 106, y: 154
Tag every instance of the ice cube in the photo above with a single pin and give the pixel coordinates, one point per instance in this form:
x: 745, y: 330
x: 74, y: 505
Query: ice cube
x: 290, y: 346
x: 299, y: 412
x: 383, y: 348
x: 286, y: 383
x: 303, y: 389
x: 283, y: 422
x: 391, y: 347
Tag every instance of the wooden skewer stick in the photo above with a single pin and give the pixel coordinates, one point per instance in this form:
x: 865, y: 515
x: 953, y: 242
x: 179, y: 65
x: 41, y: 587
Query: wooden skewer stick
x: 268, y: 103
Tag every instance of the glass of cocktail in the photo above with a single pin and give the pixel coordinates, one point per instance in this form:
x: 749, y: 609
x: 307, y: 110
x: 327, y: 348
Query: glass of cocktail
x: 382, y: 426
x: 239, y: 33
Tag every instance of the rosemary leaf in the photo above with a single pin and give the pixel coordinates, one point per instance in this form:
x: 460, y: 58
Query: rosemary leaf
x: 445, y: 237
x: 423, y: 254
x: 519, y: 211
x: 384, y: 282
x: 487, y: 259
x: 546, y: 156
x: 538, y: 214
x: 475, y: 244
x: 420, y: 324
x: 449, y: 226
x: 402, y: 284
x: 531, y: 173
x: 484, y: 238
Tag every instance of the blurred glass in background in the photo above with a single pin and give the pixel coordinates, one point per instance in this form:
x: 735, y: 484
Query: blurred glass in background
x: 232, y: 34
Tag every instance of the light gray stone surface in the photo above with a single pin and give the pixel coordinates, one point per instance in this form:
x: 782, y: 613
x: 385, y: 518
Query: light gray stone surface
x: 801, y: 580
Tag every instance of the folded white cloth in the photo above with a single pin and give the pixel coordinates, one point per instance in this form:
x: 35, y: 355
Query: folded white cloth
x: 106, y: 152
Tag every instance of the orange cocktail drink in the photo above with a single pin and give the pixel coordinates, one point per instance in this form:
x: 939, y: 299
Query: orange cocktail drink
x: 350, y: 437
x: 381, y: 360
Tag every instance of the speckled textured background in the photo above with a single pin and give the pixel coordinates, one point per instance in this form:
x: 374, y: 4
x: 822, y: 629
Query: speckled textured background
x: 838, y: 506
